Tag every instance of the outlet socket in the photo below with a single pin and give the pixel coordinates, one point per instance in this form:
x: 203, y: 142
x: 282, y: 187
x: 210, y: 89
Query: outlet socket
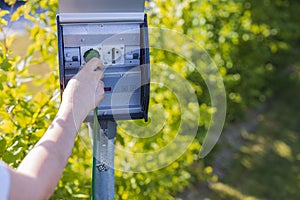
x: 112, y: 54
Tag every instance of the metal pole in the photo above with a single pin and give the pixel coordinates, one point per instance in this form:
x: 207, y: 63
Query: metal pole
x: 103, y: 159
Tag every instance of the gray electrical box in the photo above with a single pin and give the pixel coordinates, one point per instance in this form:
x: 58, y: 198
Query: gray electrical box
x: 116, y: 30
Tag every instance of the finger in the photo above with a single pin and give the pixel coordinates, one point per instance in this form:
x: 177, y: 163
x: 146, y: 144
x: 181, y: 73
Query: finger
x: 101, y: 75
x: 97, y: 74
x: 95, y: 64
x: 100, y: 92
x: 101, y: 84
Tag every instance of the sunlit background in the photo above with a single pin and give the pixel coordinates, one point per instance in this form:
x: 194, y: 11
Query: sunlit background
x: 255, y: 46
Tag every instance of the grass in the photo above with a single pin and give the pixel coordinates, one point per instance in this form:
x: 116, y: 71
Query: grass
x: 267, y: 165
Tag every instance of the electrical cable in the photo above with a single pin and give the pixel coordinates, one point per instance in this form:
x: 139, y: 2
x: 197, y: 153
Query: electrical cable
x: 95, y: 132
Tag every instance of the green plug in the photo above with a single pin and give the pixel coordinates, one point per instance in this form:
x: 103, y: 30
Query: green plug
x: 89, y: 54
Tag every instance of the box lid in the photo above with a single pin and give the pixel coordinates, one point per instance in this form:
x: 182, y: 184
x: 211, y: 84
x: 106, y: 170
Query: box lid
x: 101, y: 10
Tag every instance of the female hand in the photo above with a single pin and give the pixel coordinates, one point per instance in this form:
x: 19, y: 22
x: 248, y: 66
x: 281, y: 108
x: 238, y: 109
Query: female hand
x: 85, y: 90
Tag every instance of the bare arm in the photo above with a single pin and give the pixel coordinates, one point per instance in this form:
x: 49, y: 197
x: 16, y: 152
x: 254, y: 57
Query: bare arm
x: 40, y: 171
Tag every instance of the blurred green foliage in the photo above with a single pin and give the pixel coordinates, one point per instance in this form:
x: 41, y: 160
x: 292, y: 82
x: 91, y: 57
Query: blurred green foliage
x: 248, y: 40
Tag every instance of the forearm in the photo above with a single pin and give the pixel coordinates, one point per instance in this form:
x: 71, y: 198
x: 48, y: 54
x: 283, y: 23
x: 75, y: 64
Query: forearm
x: 40, y: 171
x: 46, y: 161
